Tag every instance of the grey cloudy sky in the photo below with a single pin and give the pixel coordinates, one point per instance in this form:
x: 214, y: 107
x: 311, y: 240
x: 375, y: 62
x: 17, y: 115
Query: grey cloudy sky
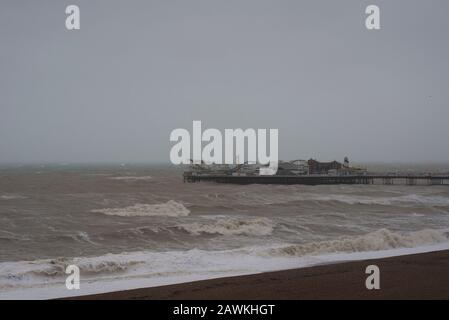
x: 114, y: 90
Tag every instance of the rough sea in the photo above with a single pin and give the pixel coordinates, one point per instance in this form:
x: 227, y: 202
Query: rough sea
x: 130, y: 226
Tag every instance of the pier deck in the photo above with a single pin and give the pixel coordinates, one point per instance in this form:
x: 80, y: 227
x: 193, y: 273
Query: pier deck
x: 322, y: 179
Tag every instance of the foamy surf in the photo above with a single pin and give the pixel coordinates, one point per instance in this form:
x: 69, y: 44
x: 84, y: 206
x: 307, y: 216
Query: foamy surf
x: 229, y: 226
x: 44, y: 279
x: 379, y: 240
x: 169, y: 209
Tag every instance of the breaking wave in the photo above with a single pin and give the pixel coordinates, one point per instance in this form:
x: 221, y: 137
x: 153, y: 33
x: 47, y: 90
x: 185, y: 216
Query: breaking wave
x: 170, y: 209
x: 53, y: 268
x: 57, y: 267
x: 231, y: 226
x: 45, y: 278
x: 382, y: 239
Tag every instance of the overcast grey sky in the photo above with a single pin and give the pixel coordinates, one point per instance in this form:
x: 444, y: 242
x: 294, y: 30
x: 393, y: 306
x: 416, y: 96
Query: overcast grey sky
x: 114, y: 90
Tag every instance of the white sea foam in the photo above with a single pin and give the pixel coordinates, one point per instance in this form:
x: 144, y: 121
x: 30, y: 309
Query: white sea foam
x: 170, y: 209
x: 11, y: 197
x: 46, y: 278
x: 370, y: 200
x: 382, y: 239
x: 132, y: 178
x: 82, y: 236
x: 231, y: 226
x: 95, y: 265
x: 411, y: 198
x: 352, y: 199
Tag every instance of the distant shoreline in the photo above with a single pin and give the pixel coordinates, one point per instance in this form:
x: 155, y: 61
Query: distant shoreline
x: 416, y: 276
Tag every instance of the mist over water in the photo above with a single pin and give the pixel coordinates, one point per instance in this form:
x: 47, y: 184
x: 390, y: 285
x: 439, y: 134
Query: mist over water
x: 54, y: 215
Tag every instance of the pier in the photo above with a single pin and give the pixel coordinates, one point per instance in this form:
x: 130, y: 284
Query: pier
x: 410, y: 180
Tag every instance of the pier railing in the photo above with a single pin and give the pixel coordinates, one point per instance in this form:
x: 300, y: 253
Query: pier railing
x: 410, y: 180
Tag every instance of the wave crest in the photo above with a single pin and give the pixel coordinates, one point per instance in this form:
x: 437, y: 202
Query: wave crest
x: 11, y: 197
x: 57, y: 267
x: 382, y: 239
x: 231, y: 226
x: 44, y: 278
x: 170, y: 209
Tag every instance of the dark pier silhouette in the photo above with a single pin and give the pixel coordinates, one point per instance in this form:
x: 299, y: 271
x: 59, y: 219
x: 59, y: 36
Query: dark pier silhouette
x: 410, y: 180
